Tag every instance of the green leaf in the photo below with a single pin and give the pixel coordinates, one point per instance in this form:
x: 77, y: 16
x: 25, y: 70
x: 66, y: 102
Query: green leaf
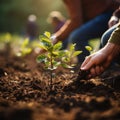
x: 47, y: 34
x: 62, y: 53
x: 72, y: 47
x: 66, y: 66
x: 25, y: 43
x: 57, y: 46
x: 76, y: 53
x: 27, y: 51
x: 8, y: 37
x: 41, y: 58
x: 65, y: 59
x: 88, y: 48
x: 42, y: 47
x: 55, y: 63
x: 48, y: 54
x: 24, y: 52
x: 47, y: 63
x: 56, y: 53
x: 44, y: 39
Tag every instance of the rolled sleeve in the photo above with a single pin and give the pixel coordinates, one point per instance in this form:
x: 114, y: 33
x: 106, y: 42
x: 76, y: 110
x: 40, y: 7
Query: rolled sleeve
x: 115, y: 36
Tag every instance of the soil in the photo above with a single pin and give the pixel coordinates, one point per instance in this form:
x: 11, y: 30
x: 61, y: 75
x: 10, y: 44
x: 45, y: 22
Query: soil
x: 25, y: 92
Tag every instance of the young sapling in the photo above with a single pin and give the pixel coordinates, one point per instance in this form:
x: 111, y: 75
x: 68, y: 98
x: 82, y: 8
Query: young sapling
x: 69, y: 56
x: 54, y: 56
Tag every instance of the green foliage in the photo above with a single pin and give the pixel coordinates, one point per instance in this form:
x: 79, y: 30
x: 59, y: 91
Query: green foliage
x: 88, y: 48
x: 95, y: 43
x: 7, y: 38
x: 50, y: 58
x: 24, y: 48
x: 70, y: 53
x: 54, y: 56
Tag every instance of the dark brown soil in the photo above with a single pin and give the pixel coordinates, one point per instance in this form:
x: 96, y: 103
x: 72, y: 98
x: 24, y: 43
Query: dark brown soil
x: 25, y: 93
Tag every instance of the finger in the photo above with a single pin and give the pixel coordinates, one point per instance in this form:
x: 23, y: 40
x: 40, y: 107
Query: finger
x: 85, y: 61
x: 107, y: 63
x: 93, y: 72
x: 89, y: 64
x: 102, y: 69
x: 97, y: 70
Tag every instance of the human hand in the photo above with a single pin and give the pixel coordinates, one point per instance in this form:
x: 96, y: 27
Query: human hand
x: 113, y: 20
x: 99, y: 61
x: 96, y: 63
x: 54, y: 39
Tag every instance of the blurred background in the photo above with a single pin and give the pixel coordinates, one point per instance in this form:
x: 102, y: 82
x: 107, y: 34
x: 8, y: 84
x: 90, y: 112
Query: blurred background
x: 14, y: 14
x: 17, y: 21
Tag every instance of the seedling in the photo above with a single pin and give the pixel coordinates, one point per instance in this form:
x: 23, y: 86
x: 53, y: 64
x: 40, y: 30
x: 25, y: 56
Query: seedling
x: 24, y: 48
x: 8, y: 41
x: 69, y: 56
x: 54, y: 56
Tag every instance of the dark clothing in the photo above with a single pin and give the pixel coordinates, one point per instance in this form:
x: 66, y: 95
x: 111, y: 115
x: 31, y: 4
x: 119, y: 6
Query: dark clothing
x: 32, y: 29
x: 117, y: 13
x: 93, y: 8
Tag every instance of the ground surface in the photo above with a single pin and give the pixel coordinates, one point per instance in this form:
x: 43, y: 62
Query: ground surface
x: 25, y: 94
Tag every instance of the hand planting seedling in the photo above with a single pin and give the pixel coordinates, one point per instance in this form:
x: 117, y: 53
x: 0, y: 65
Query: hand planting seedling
x: 54, y: 56
x: 83, y: 74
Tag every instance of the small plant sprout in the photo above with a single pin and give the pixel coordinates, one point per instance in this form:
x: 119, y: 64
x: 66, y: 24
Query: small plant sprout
x: 54, y: 56
x: 24, y: 48
x: 8, y: 41
x: 51, y: 55
x: 89, y: 48
x: 8, y: 38
x: 69, y: 56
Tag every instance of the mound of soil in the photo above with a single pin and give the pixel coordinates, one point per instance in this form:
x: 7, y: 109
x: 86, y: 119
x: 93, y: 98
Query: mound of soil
x: 25, y: 92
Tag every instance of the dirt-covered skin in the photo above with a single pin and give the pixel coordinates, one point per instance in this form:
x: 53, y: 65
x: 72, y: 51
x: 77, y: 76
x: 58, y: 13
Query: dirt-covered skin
x: 25, y: 93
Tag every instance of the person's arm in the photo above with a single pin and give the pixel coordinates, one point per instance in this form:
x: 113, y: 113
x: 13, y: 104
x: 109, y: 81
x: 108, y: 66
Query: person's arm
x: 99, y: 61
x: 75, y: 13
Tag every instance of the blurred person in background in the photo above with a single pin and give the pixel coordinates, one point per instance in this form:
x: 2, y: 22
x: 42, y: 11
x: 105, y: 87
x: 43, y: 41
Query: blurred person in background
x: 32, y: 27
x: 57, y: 20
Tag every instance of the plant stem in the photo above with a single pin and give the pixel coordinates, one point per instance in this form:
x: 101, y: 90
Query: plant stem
x: 51, y: 72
